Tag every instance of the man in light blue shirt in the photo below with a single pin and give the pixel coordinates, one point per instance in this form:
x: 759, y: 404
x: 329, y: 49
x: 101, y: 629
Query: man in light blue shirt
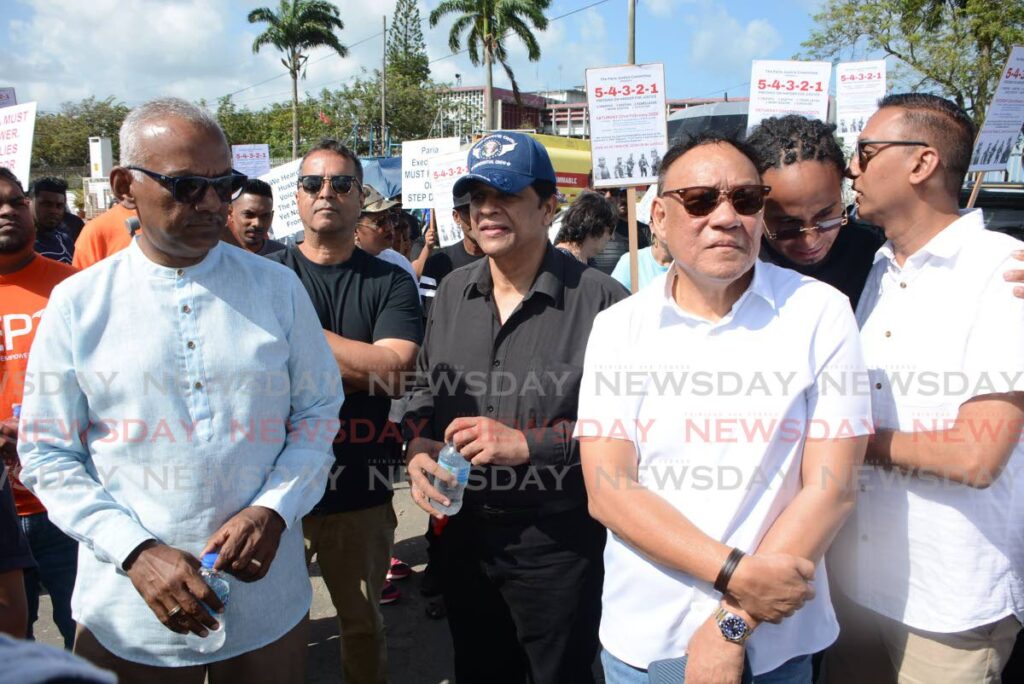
x: 189, y: 404
x: 651, y: 262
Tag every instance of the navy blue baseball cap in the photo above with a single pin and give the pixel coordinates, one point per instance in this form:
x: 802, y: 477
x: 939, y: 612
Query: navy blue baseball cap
x: 506, y: 161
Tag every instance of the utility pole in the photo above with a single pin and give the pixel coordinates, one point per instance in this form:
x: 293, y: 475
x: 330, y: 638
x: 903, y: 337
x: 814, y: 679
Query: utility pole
x: 383, y: 83
x: 634, y: 242
x: 631, y: 57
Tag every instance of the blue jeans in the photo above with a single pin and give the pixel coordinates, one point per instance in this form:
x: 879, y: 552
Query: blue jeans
x: 56, y: 556
x: 794, y: 671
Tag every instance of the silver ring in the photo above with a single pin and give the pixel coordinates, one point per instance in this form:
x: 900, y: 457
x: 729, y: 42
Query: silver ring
x: 173, y: 611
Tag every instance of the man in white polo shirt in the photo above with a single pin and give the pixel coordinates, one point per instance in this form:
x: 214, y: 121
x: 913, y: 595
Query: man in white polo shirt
x: 726, y: 460
x: 932, y: 558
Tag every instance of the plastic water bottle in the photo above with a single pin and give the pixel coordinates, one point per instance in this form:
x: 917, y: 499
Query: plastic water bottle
x: 451, y: 460
x: 214, y: 639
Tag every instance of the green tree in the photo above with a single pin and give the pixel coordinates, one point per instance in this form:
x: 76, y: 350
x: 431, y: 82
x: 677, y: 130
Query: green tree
x: 490, y: 22
x: 953, y: 47
x: 407, y: 51
x: 62, y: 138
x: 296, y: 28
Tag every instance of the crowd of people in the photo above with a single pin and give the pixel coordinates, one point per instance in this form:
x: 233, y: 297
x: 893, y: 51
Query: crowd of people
x: 793, y: 455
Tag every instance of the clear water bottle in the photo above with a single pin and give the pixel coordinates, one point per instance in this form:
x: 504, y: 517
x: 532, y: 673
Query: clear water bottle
x: 214, y: 638
x: 451, y: 460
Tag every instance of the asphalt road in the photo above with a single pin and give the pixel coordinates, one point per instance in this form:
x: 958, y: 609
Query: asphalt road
x: 419, y: 648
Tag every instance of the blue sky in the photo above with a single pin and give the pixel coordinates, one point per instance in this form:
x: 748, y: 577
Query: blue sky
x: 134, y: 50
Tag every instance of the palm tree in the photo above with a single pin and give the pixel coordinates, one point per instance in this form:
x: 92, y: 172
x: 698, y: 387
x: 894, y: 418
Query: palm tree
x: 295, y: 29
x: 489, y: 23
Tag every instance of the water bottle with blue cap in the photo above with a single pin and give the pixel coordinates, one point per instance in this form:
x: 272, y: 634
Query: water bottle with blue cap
x: 217, y: 581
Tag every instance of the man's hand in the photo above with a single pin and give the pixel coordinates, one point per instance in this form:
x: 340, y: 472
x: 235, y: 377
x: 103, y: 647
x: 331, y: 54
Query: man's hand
x: 430, y: 237
x: 247, y: 543
x: 421, y: 463
x: 169, y: 581
x: 9, y: 443
x: 485, y: 441
x: 772, y: 586
x: 711, y: 658
x: 1017, y: 276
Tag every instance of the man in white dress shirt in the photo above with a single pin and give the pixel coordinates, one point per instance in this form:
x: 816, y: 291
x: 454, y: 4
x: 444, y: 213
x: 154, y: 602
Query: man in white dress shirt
x: 931, y: 561
x: 724, y: 461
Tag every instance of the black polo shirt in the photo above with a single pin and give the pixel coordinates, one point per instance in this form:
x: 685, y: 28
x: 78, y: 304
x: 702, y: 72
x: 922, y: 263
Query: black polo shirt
x: 525, y: 373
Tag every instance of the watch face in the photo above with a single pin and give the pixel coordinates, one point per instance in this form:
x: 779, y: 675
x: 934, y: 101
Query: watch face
x: 733, y: 627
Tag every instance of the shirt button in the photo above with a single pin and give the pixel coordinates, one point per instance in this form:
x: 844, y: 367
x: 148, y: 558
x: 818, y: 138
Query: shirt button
x: 186, y: 309
x: 496, y: 363
x: 490, y: 409
x: 888, y: 333
x: 903, y: 286
x: 191, y: 344
x: 198, y: 385
x: 878, y: 385
x: 181, y: 272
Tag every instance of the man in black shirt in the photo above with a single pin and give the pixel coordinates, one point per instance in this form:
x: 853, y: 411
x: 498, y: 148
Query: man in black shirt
x: 371, y: 316
x: 447, y: 259
x: 498, y: 376
x: 250, y: 218
x: 49, y: 204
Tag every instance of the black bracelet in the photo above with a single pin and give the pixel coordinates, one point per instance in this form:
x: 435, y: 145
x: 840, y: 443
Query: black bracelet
x: 728, y: 567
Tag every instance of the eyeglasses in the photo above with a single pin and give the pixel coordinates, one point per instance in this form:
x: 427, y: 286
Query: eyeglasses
x: 192, y: 189
x: 701, y: 200
x: 380, y: 222
x: 863, y: 158
x: 341, y: 185
x: 795, y: 231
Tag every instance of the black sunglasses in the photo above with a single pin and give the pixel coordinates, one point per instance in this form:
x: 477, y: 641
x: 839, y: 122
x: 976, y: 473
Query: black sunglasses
x: 341, y: 185
x: 823, y: 226
x: 863, y: 158
x: 192, y: 189
x: 701, y: 200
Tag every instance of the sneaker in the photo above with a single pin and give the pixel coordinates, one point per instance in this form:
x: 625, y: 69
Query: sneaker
x: 399, y: 570
x: 389, y: 594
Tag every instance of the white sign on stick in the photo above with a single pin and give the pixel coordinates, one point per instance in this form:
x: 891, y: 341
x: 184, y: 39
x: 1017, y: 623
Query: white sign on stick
x: 859, y: 87
x: 628, y: 125
x: 252, y: 160
x: 1004, y: 118
x: 7, y: 98
x: 445, y: 169
x: 283, y: 181
x: 417, y: 187
x: 17, y: 127
x: 778, y: 88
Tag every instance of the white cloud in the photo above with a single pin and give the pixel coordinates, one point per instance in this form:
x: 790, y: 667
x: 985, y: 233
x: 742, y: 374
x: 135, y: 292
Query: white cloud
x: 139, y: 49
x: 724, y: 46
x: 593, y: 27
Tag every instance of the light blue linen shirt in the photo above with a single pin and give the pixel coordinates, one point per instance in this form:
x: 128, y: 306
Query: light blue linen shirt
x: 648, y: 268
x: 160, y: 402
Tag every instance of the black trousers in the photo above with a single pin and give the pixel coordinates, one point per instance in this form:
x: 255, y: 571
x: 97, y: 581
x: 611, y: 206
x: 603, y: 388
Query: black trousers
x: 523, y: 595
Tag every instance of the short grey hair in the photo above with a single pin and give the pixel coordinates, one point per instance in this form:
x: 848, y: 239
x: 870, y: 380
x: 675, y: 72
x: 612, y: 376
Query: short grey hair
x: 135, y: 123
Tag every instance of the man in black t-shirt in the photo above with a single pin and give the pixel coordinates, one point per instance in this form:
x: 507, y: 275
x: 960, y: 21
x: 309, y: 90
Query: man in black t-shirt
x: 449, y: 258
x: 49, y: 205
x: 371, y: 316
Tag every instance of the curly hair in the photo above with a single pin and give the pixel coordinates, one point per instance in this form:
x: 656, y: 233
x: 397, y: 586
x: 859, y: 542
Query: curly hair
x: 784, y: 140
x: 591, y: 215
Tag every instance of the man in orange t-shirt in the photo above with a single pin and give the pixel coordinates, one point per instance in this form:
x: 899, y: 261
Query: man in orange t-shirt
x: 26, y: 279
x: 104, y: 235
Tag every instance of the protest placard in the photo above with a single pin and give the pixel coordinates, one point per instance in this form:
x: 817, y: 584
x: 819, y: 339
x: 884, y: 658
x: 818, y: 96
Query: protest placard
x: 252, y: 160
x: 778, y: 88
x: 859, y: 87
x: 1004, y: 118
x: 7, y: 97
x: 283, y: 181
x: 417, y: 185
x: 444, y: 170
x: 17, y: 127
x: 628, y: 124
